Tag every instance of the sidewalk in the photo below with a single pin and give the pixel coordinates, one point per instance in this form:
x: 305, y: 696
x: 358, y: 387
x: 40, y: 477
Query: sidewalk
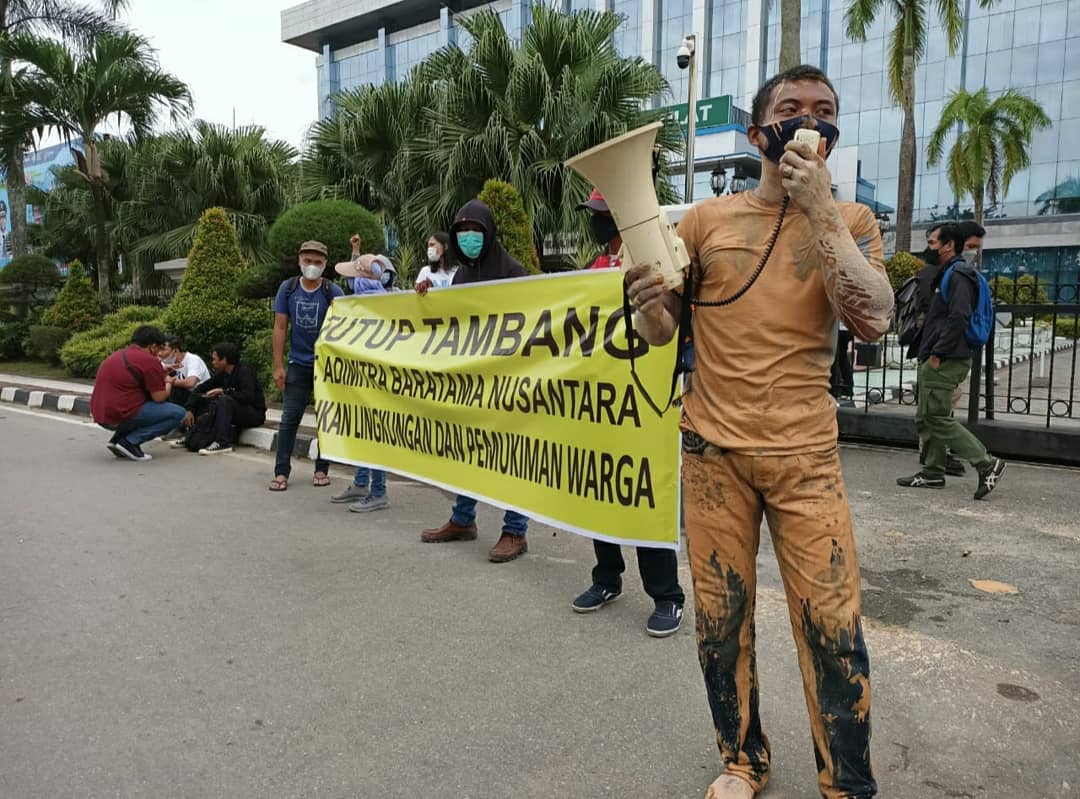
x: 72, y: 397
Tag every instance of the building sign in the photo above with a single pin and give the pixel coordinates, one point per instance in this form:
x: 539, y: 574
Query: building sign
x: 712, y: 112
x: 37, y: 165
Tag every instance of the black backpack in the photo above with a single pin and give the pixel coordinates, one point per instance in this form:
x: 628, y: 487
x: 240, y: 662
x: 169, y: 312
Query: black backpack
x: 201, y: 433
x: 908, y: 319
x: 293, y: 282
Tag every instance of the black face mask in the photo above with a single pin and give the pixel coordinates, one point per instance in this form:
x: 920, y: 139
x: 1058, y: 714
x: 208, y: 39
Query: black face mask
x: 931, y: 257
x: 602, y: 228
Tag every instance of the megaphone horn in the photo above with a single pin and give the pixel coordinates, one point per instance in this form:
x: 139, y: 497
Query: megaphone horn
x: 621, y: 169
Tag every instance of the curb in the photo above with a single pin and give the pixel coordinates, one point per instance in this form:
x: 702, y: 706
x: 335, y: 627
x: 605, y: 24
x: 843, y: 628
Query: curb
x: 261, y: 438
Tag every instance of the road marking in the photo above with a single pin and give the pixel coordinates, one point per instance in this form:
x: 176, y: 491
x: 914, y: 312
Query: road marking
x: 47, y: 415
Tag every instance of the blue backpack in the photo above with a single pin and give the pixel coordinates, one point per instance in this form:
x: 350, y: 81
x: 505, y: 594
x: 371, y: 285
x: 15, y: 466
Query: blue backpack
x: 981, y: 322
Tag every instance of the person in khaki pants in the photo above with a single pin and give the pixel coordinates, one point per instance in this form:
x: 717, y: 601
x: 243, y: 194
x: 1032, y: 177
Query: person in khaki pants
x: 944, y: 362
x: 760, y: 435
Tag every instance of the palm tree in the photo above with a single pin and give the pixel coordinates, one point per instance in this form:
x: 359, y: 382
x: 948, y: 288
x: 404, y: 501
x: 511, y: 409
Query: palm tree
x: 907, y: 47
x: 74, y: 93
x: 74, y: 22
x: 418, y: 150
x: 209, y: 166
x: 993, y: 143
x: 791, y: 33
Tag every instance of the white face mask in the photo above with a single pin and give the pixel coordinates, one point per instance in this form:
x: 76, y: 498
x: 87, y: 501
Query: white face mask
x: 432, y: 255
x: 970, y: 255
x: 312, y: 272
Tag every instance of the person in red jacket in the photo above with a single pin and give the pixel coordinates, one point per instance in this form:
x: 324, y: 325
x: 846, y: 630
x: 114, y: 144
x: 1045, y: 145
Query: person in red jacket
x: 131, y: 396
x: 604, y: 232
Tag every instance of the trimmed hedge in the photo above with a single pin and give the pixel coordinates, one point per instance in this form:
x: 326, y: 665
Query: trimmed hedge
x: 45, y: 341
x: 258, y: 353
x: 901, y: 267
x: 32, y: 271
x: 76, y: 307
x: 84, y: 352
x: 205, y: 310
x: 515, y: 232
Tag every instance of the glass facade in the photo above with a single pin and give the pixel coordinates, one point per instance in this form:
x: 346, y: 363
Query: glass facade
x: 1032, y: 46
x: 674, y: 20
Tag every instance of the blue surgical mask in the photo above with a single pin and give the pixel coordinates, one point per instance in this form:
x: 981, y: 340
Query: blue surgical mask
x: 471, y: 243
x: 780, y: 133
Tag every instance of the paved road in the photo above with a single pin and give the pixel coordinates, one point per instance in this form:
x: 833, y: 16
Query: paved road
x: 172, y: 629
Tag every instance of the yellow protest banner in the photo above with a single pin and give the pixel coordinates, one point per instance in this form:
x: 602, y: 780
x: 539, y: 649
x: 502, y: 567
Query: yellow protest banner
x: 518, y: 393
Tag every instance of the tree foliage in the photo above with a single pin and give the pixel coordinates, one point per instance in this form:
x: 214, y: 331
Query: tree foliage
x: 417, y: 150
x: 992, y: 143
x: 205, y: 309
x: 76, y: 307
x: 515, y: 232
x: 901, y: 267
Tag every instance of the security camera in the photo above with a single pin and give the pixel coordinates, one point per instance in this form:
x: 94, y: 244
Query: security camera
x: 686, y: 49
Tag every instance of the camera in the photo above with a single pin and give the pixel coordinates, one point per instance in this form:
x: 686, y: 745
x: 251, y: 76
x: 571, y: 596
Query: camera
x: 686, y: 49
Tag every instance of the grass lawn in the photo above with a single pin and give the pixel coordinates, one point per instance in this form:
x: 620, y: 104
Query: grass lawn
x: 39, y: 369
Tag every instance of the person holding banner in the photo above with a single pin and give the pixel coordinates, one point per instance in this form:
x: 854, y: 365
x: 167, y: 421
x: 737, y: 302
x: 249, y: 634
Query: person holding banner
x: 474, y: 243
x: 440, y: 269
x: 760, y: 433
x: 659, y: 568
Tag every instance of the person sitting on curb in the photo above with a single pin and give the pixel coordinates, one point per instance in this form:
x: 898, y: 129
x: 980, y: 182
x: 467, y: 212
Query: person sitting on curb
x: 365, y: 272
x: 131, y: 397
x: 659, y: 568
x: 236, y: 395
x: 475, y: 244
x: 301, y: 304
x: 184, y: 370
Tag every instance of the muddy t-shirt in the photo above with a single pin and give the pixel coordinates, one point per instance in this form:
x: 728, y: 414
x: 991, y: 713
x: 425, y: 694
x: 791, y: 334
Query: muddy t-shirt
x: 761, y: 384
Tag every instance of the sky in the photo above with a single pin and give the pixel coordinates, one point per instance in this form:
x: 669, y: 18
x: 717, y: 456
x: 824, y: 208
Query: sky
x: 230, y: 54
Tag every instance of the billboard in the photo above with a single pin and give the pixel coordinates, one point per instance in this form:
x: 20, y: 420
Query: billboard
x: 37, y: 166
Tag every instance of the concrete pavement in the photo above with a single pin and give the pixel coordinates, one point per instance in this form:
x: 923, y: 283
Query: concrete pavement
x: 172, y: 629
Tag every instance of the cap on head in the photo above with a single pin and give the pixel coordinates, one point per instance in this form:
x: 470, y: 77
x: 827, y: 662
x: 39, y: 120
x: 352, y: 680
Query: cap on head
x: 596, y: 202
x: 314, y: 246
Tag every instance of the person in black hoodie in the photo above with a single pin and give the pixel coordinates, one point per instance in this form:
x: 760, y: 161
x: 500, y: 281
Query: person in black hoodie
x: 944, y: 361
x: 474, y: 242
x: 237, y: 396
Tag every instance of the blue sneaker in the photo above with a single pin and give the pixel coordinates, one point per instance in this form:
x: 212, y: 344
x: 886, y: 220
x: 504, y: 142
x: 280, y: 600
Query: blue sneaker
x: 594, y: 599
x: 665, y: 620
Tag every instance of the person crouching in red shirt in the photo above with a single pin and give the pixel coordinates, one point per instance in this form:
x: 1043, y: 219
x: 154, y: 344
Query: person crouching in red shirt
x: 130, y: 396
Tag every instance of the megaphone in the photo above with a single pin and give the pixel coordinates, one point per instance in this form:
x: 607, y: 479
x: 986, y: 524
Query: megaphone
x: 621, y: 169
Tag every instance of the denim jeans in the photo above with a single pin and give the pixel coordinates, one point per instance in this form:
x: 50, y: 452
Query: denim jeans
x: 464, y: 514
x: 377, y: 478
x: 299, y: 383
x: 154, y: 419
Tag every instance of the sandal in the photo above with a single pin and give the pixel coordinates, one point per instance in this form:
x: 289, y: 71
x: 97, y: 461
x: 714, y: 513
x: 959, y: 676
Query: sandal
x: 279, y: 483
x: 320, y: 480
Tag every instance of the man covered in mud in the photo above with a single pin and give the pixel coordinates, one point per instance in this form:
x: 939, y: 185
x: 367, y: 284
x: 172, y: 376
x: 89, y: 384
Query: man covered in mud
x: 759, y: 432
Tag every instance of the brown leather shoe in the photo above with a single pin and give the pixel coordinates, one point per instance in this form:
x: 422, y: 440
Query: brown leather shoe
x: 449, y: 532
x: 508, y: 548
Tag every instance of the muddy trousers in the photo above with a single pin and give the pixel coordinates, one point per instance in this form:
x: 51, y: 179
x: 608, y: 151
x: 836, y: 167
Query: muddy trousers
x: 803, y: 498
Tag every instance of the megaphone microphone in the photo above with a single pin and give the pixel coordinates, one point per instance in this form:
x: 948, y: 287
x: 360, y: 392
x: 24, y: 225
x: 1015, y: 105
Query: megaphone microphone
x: 621, y: 169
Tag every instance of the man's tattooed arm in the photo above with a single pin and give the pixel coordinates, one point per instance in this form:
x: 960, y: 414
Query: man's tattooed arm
x: 855, y: 280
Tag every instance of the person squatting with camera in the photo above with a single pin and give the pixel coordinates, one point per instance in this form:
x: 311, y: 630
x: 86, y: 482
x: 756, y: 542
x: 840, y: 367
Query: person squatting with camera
x: 760, y: 434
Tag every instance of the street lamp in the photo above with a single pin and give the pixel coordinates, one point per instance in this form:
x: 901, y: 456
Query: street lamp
x: 738, y: 183
x: 687, y: 59
x: 718, y: 180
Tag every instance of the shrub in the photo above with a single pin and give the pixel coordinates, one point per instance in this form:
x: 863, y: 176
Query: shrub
x: 258, y: 353
x: 76, y: 307
x: 515, y: 232
x: 205, y: 309
x: 902, y: 267
x: 259, y: 282
x: 32, y: 271
x: 12, y: 336
x: 1068, y: 329
x: 333, y: 222
x: 1001, y: 287
x: 44, y: 342
x: 84, y: 352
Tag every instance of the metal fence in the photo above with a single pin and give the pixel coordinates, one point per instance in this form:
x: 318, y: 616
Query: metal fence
x: 154, y: 296
x: 1027, y: 373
